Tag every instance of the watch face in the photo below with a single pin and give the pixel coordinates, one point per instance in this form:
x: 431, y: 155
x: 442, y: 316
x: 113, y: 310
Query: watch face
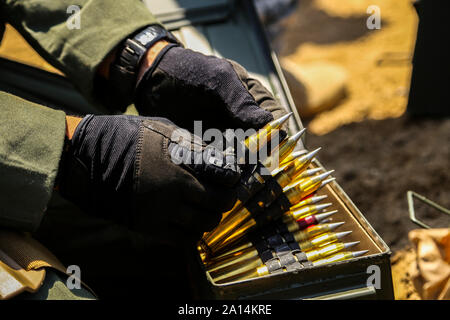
x: 147, y: 36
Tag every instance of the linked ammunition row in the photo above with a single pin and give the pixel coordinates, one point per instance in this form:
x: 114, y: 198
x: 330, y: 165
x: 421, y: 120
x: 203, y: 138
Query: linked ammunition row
x: 279, y: 223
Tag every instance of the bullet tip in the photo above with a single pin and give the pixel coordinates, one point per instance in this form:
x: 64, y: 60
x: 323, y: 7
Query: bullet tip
x: 311, y: 154
x: 324, y: 175
x: 328, y: 220
x: 298, y: 154
x: 279, y: 122
x: 323, y: 206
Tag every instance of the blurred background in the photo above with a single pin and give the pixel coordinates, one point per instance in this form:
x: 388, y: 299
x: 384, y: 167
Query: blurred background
x: 373, y: 66
x: 351, y: 86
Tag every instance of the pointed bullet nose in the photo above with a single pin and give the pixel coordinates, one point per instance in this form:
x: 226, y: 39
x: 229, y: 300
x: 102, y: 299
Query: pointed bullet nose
x: 311, y: 172
x: 320, y: 207
x: 297, y: 136
x: 324, y: 175
x: 359, y: 253
x: 298, y: 154
x: 327, y: 181
x: 350, y: 244
x: 335, y: 225
x: 317, y: 199
x: 326, y: 221
x: 322, y: 216
x: 311, y: 154
x: 340, y: 235
x: 292, y: 185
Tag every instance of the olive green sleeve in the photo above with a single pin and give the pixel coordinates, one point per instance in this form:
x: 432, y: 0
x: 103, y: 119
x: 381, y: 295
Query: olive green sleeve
x: 103, y: 24
x: 31, y: 144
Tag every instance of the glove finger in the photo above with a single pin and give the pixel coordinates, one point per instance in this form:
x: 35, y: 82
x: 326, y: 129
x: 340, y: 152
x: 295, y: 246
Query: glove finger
x: 209, y: 196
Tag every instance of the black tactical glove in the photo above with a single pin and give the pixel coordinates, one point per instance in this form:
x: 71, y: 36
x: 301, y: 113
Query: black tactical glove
x: 148, y: 174
x: 184, y: 86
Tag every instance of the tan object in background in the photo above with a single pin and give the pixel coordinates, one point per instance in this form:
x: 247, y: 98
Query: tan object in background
x: 22, y: 264
x: 431, y: 274
x: 315, y: 87
x: 14, y: 47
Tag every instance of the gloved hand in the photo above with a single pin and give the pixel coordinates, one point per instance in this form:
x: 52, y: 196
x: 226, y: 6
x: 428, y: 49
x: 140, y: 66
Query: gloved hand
x: 148, y: 174
x: 184, y: 86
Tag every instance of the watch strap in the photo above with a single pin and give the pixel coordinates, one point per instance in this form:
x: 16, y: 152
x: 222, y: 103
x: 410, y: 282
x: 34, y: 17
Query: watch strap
x: 123, y: 72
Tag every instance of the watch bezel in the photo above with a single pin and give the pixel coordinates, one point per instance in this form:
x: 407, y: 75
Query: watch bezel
x: 123, y: 71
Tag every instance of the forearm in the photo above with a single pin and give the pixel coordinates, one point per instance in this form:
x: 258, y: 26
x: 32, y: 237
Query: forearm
x: 77, y: 52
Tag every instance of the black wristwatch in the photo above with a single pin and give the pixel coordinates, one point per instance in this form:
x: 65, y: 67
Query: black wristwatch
x: 123, y: 71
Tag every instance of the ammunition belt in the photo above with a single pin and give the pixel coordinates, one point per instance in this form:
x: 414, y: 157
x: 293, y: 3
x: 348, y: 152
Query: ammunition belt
x: 260, y: 192
x: 252, y: 180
